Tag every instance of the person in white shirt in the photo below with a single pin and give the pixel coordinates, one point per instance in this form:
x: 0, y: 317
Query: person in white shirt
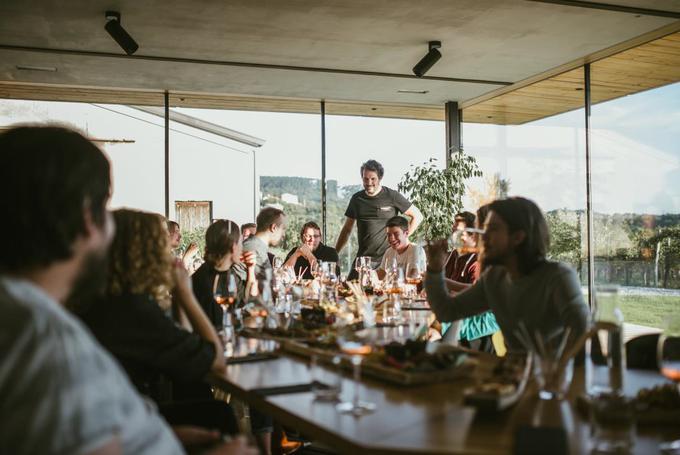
x: 401, y: 252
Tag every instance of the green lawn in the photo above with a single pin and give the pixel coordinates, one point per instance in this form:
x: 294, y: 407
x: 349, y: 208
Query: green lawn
x: 649, y: 310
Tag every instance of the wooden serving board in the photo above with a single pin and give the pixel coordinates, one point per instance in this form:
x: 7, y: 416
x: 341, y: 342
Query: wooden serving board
x: 645, y: 417
x: 383, y: 372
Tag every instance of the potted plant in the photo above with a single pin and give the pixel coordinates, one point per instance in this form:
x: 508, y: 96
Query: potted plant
x: 438, y: 193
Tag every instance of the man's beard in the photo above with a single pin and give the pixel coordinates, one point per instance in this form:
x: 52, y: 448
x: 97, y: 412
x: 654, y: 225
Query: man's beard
x: 486, y: 260
x: 90, y: 284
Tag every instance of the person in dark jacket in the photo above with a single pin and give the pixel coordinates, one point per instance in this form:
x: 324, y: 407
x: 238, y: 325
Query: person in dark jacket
x: 310, y: 251
x: 223, y: 250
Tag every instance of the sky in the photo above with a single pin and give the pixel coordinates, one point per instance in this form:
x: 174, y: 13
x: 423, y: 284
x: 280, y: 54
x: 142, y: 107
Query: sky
x: 635, y: 152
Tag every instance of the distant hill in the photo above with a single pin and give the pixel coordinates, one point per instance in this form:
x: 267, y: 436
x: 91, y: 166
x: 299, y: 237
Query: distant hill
x: 306, y: 189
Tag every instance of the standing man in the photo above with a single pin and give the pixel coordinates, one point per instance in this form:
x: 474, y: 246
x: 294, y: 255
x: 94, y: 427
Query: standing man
x: 370, y: 209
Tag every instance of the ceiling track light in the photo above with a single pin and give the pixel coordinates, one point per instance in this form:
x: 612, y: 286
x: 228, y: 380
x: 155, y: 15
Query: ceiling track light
x: 432, y: 57
x: 119, y: 34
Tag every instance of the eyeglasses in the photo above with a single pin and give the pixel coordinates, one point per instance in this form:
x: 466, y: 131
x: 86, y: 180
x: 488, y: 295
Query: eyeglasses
x: 310, y: 237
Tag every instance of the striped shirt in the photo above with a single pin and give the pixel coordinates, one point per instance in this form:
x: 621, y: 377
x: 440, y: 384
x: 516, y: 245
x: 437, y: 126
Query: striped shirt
x: 60, y: 391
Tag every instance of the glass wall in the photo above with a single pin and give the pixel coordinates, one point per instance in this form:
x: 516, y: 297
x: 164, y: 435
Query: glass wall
x: 636, y: 197
x: 542, y: 159
x: 133, y: 141
x: 239, y: 179
x: 395, y: 143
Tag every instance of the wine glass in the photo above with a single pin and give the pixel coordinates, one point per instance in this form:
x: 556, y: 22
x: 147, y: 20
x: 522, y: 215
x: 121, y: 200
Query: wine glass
x: 355, y: 345
x: 668, y: 355
x: 225, y: 290
x: 414, y: 276
x: 357, y: 264
x: 464, y: 240
x: 315, y: 269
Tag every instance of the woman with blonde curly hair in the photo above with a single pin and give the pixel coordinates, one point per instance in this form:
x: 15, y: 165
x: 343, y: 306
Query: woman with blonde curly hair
x: 131, y: 321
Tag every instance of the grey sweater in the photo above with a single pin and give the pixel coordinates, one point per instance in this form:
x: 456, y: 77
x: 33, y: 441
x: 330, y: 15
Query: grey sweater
x: 547, y: 300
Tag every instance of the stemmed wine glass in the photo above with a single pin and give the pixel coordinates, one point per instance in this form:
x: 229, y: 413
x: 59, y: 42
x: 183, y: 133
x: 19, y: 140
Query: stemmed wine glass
x: 668, y: 355
x: 358, y: 265
x: 356, y: 345
x: 225, y: 294
x: 414, y: 276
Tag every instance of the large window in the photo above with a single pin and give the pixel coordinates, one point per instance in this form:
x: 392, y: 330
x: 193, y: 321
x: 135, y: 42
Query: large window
x: 132, y: 140
x: 396, y: 144
x: 526, y: 153
x: 287, y: 167
x: 636, y: 198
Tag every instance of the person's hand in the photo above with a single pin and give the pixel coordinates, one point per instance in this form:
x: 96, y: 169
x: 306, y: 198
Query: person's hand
x: 249, y: 259
x: 305, y: 251
x: 191, y: 251
x: 436, y: 254
x: 237, y: 446
x: 195, y: 436
x: 181, y: 277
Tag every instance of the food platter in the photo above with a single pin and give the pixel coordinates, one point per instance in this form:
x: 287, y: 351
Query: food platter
x: 503, y: 388
x: 446, y: 363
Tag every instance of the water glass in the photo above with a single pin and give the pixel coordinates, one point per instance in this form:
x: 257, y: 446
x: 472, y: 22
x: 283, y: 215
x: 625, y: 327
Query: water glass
x: 613, y: 423
x: 327, y: 386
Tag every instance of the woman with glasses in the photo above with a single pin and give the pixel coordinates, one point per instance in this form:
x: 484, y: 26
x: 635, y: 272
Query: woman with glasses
x: 310, y: 251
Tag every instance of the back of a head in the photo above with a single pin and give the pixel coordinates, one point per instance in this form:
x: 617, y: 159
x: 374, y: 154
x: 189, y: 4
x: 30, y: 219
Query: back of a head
x: 139, y: 259
x: 267, y: 217
x: 220, y: 238
x: 482, y: 213
x: 521, y: 214
x: 48, y: 177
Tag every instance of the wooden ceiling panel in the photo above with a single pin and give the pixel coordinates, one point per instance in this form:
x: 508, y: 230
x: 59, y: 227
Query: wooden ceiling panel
x: 645, y: 67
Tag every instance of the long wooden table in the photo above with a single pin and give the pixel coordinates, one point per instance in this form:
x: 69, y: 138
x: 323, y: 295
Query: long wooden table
x: 418, y: 419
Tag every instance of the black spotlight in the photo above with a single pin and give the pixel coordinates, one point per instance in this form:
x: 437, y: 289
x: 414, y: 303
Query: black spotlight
x: 118, y: 33
x: 432, y: 57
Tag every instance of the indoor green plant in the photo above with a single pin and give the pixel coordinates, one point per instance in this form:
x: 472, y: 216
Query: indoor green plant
x: 438, y: 193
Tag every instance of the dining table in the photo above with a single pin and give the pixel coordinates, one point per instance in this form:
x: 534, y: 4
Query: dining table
x: 427, y: 419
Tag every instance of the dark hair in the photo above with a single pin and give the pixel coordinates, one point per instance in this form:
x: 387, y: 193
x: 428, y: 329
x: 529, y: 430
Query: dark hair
x: 171, y: 225
x: 373, y: 165
x: 267, y: 217
x: 521, y: 214
x: 49, y: 176
x: 220, y: 238
x: 397, y: 221
x: 466, y: 217
x: 248, y: 226
x: 307, y: 225
x: 482, y: 213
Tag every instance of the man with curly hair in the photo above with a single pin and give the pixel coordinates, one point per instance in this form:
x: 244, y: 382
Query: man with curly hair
x: 369, y: 210
x: 61, y: 392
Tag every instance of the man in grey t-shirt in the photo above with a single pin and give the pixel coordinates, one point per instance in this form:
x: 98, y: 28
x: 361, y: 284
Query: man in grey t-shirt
x: 62, y: 393
x: 518, y: 284
x: 271, y: 227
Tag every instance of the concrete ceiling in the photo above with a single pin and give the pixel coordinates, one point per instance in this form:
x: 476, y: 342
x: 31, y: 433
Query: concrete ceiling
x: 211, y: 45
